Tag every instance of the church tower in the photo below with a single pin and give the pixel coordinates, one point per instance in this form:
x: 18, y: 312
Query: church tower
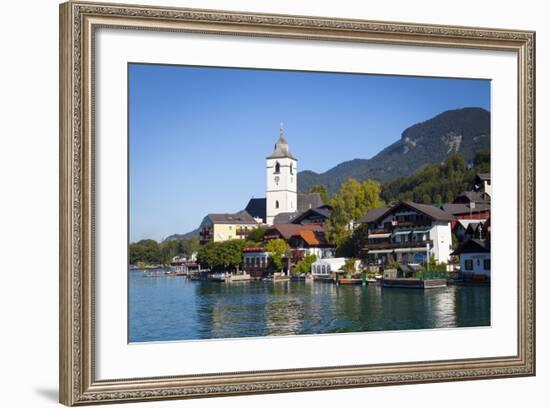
x: 281, y: 171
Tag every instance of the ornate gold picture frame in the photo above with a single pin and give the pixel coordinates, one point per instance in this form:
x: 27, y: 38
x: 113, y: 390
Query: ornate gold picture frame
x: 78, y: 24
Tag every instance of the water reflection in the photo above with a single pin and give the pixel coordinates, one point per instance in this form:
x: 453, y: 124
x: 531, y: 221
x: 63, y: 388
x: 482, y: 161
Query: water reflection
x: 174, y: 308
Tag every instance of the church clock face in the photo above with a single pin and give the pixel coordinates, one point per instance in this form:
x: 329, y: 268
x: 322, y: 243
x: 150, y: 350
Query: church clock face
x: 277, y: 180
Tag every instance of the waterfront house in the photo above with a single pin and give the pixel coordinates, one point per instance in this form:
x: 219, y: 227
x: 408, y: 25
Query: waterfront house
x: 407, y: 232
x: 475, y: 259
x: 225, y: 227
x: 255, y: 262
x: 308, y: 242
x: 307, y: 239
x: 327, y: 268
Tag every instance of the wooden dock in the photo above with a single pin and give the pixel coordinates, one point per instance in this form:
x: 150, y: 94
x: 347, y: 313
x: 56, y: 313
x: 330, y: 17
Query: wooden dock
x: 414, y: 283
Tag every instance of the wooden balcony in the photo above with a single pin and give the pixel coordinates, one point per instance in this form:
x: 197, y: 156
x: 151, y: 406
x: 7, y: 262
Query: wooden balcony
x: 395, y: 245
x: 416, y: 223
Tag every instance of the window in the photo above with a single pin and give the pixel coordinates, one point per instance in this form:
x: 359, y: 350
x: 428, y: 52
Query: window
x: 291, y: 169
x: 276, y: 203
x: 277, y: 167
x: 487, y: 264
x: 468, y: 264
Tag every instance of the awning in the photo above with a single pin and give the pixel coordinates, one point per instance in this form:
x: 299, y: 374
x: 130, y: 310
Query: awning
x: 385, y: 235
x: 421, y: 249
x: 380, y: 251
x: 402, y: 232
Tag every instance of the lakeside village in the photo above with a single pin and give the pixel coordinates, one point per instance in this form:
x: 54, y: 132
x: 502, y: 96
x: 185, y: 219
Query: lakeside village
x: 349, y: 239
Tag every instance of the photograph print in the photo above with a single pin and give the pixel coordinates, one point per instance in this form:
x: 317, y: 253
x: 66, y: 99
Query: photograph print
x: 280, y: 203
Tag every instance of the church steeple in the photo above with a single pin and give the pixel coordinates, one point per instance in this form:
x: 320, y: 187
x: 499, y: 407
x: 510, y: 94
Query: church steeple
x: 281, y: 147
x: 281, y: 175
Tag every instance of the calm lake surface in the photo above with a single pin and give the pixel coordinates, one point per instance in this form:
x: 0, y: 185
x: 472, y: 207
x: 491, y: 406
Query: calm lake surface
x: 175, y: 308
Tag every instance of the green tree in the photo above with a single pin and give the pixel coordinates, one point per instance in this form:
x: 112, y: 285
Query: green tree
x: 188, y: 246
x: 257, y: 234
x: 482, y: 161
x: 168, y: 250
x: 323, y: 192
x: 349, y: 266
x: 277, y: 249
x: 437, y: 183
x: 224, y: 255
x: 353, y: 245
x: 304, y: 266
x: 146, y: 251
x: 352, y: 202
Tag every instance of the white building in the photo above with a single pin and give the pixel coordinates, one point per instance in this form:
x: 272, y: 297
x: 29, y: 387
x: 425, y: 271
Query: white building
x: 322, y: 268
x: 406, y: 232
x: 475, y: 259
x: 282, y: 185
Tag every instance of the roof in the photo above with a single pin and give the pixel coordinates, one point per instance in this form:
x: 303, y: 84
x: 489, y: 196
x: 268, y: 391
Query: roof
x: 285, y: 217
x: 472, y: 196
x: 372, y: 215
x: 429, y: 210
x: 323, y: 211
x: 310, y: 237
x: 474, y: 245
x: 289, y: 230
x: 466, y: 223
x: 484, y: 176
x: 242, y: 217
x: 459, y: 208
x: 309, y: 200
x: 281, y: 149
x: 256, y: 207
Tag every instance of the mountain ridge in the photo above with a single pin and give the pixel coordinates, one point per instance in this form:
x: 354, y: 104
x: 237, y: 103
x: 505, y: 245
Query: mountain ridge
x: 462, y: 131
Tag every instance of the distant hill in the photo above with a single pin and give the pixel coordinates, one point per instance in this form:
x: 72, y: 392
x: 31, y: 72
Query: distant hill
x: 463, y: 131
x: 174, y: 237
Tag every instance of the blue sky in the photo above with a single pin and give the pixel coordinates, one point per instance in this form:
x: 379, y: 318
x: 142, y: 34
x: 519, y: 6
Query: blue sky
x: 199, y: 136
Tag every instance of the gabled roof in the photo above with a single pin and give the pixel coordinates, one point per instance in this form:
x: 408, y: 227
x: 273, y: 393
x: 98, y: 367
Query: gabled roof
x: 256, y: 207
x: 458, y: 209
x: 242, y: 217
x: 474, y: 246
x: 372, y: 215
x: 310, y: 237
x: 309, y: 200
x: 281, y: 149
x: 289, y: 230
x: 285, y: 217
x: 429, y: 210
x: 323, y: 211
x: 467, y: 223
x: 472, y: 196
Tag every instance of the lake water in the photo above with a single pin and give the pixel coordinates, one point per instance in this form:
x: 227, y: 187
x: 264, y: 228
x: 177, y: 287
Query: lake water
x: 175, y: 308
